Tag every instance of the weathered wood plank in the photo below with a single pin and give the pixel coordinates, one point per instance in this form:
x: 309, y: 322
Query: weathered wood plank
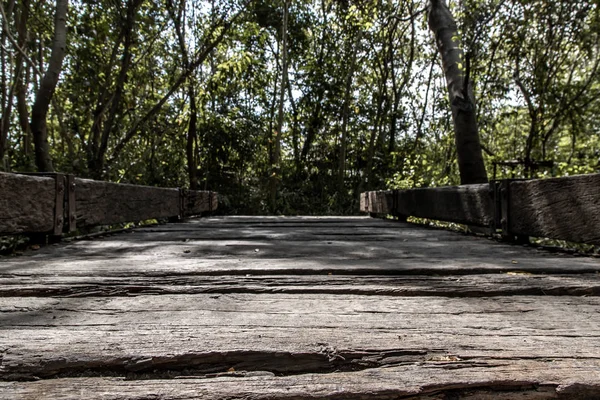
x: 105, y: 203
x: 26, y: 203
x: 212, y: 333
x: 239, y: 246
x: 382, y: 202
x: 565, y: 208
x: 299, y: 308
x: 522, y: 380
x: 508, y: 284
x: 204, y: 247
x: 467, y: 204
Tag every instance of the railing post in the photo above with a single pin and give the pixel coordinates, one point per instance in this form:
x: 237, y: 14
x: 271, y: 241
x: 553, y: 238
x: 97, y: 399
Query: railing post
x: 71, y: 208
x: 65, y: 211
x: 502, y: 211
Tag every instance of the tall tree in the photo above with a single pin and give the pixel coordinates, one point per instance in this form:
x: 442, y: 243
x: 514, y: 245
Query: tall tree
x: 276, y: 167
x: 353, y: 47
x: 462, y: 102
x: 45, y: 92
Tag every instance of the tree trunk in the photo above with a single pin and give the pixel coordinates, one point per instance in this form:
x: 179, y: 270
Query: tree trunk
x: 7, y: 97
x: 470, y: 158
x: 346, y: 111
x: 191, y: 139
x: 48, y: 84
x: 368, y: 182
x: 23, y: 79
x: 314, y: 124
x: 276, y: 166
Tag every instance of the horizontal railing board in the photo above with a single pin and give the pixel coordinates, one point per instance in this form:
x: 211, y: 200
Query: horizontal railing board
x: 468, y: 204
x: 106, y: 203
x: 566, y: 208
x: 26, y: 203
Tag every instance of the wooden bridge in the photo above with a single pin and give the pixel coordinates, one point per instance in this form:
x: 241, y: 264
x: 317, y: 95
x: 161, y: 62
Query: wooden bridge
x: 297, y: 307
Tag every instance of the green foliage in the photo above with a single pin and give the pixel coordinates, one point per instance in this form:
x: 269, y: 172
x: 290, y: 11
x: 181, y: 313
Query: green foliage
x: 533, y: 65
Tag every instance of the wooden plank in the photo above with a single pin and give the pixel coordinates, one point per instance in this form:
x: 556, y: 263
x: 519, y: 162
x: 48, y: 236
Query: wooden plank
x: 490, y: 380
x: 508, y: 284
x: 381, y: 202
x: 565, y: 208
x: 284, y: 334
x: 466, y: 204
x: 27, y: 204
x: 303, y: 308
x: 240, y: 246
x: 105, y: 203
x: 364, y: 202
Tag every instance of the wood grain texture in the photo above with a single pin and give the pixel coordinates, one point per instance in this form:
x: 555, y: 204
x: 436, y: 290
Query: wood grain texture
x: 561, y: 208
x: 520, y: 380
x: 286, y: 334
x: 466, y: 204
x: 502, y: 284
x: 105, y: 203
x: 26, y: 204
x: 298, y: 308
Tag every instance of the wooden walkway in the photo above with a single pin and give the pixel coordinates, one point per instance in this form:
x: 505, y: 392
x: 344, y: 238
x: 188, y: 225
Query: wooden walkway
x: 298, y: 308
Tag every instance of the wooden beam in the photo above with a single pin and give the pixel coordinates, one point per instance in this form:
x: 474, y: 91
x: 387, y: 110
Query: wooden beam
x: 379, y: 202
x: 467, y: 204
x: 27, y: 203
x: 38, y: 204
x: 565, y: 208
x: 105, y: 203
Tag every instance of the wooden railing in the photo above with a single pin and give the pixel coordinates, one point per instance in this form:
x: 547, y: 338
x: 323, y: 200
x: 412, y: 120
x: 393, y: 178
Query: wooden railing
x: 58, y: 203
x: 565, y: 208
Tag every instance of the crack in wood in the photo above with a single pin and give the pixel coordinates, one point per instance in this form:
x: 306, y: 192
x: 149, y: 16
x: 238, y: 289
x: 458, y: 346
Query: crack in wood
x: 325, y: 359
x: 485, y: 286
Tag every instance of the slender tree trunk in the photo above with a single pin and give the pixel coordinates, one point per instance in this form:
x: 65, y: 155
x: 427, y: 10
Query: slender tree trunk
x: 191, y: 135
x: 314, y: 124
x: 48, y: 84
x: 191, y: 140
x: 276, y: 166
x: 373, y: 139
x: 23, y: 79
x: 7, y: 97
x: 470, y: 158
x: 346, y: 112
x: 295, y: 123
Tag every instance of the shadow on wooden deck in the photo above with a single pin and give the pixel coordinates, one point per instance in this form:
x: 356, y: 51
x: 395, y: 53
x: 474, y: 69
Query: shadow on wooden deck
x: 298, y: 308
